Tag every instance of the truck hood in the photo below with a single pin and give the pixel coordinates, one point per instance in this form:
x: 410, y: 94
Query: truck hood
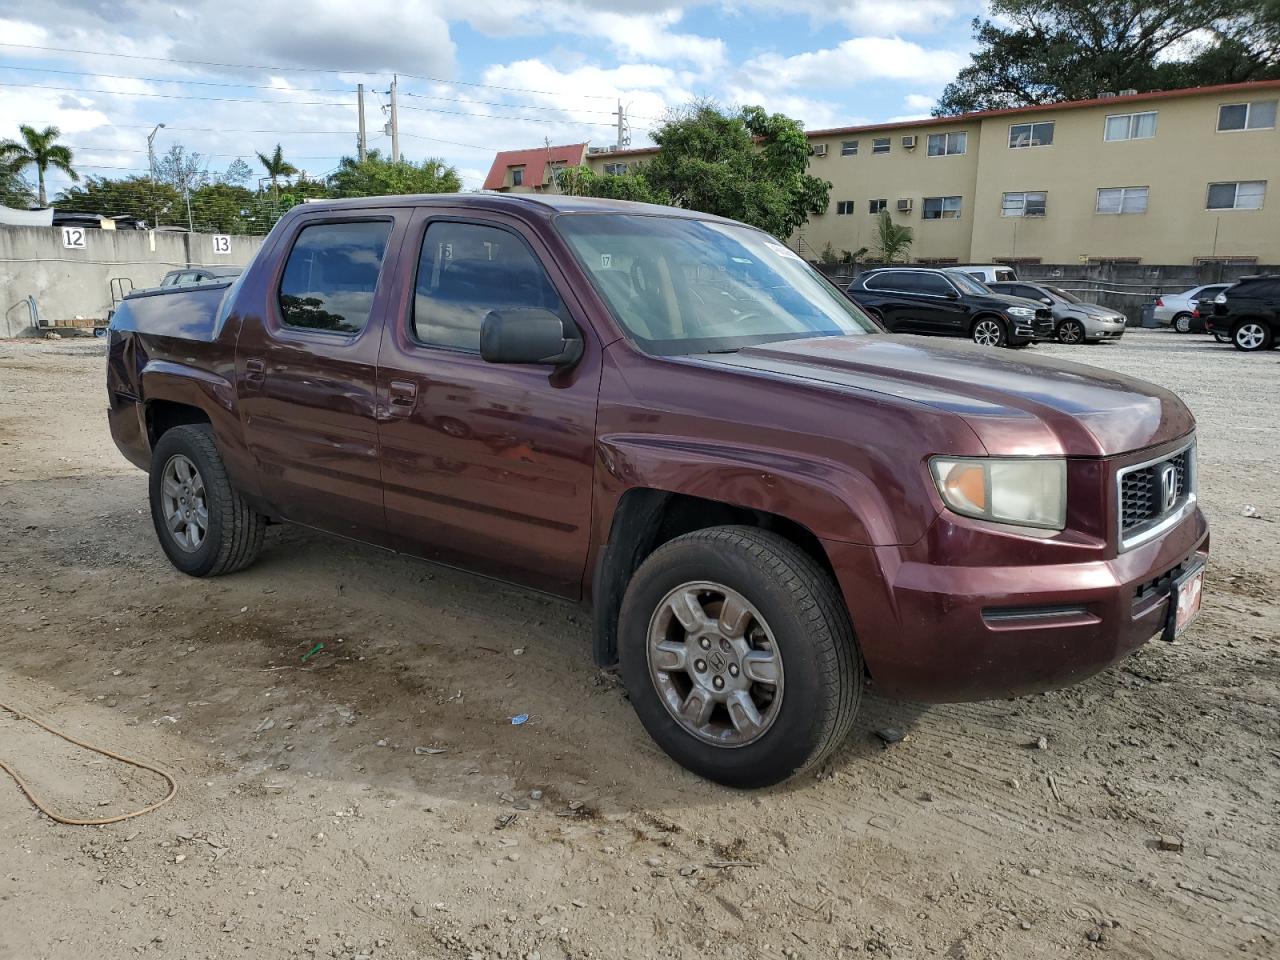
x: 1018, y: 405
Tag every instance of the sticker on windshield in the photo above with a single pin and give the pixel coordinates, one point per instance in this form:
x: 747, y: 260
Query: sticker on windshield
x: 784, y: 251
x: 743, y: 260
x: 606, y: 261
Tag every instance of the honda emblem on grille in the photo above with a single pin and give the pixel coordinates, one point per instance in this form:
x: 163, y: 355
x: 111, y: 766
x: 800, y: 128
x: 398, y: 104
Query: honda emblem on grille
x: 1168, y: 487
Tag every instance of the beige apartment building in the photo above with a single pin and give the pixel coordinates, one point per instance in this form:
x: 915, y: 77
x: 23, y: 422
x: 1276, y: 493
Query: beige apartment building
x: 1165, y: 177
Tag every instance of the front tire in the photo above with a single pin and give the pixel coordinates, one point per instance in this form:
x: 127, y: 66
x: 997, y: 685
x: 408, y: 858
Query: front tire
x: 1071, y: 332
x: 989, y: 332
x: 204, y: 526
x: 738, y: 656
x: 1251, y: 335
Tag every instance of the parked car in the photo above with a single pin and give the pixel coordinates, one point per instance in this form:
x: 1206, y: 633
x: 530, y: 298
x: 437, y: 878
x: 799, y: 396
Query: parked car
x: 949, y: 303
x: 670, y: 416
x: 1249, y: 313
x: 989, y: 273
x: 189, y: 275
x: 1178, y: 310
x: 1074, y: 320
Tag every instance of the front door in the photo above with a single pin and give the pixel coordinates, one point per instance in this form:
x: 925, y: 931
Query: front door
x: 937, y: 307
x: 485, y: 466
x: 307, y: 372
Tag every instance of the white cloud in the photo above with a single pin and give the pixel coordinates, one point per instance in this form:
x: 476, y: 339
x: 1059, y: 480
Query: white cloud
x: 855, y: 60
x: 919, y: 101
x: 876, y: 17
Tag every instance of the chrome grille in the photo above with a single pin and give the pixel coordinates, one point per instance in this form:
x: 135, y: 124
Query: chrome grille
x: 1147, y: 502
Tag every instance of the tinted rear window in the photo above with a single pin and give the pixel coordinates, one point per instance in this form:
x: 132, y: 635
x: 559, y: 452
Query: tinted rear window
x: 331, y: 275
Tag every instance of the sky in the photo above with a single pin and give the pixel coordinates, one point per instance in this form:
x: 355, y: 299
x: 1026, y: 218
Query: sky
x: 233, y: 77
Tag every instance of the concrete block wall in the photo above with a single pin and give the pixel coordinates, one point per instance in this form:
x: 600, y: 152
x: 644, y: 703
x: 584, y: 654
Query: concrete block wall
x: 70, y: 283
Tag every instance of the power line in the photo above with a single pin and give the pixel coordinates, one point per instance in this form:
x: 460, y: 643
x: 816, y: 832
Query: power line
x: 517, y: 106
x: 331, y: 70
x: 204, y: 83
x: 499, y: 116
x: 179, y: 96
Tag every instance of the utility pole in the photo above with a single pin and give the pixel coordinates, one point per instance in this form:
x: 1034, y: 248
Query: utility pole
x: 360, y: 145
x: 395, y: 126
x: 151, y: 149
x: 624, y: 133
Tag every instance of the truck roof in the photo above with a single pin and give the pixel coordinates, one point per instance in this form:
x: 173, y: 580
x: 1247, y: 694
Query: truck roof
x: 546, y: 204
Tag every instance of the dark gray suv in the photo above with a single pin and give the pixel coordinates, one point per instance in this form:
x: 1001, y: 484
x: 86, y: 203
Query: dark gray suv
x: 949, y: 303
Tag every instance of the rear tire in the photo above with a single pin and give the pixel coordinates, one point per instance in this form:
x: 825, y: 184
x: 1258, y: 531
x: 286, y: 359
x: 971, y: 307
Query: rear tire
x: 1182, y: 323
x: 204, y: 526
x: 1251, y: 335
x: 989, y: 332
x: 787, y: 647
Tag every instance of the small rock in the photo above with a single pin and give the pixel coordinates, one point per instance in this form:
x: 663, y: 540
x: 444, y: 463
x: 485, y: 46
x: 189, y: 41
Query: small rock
x: 1026, y: 925
x: 1033, y: 871
x: 382, y: 743
x: 535, y: 794
x: 1171, y: 843
x: 513, y: 856
x: 179, y: 858
x: 419, y: 910
x: 653, y: 861
x: 1040, y: 743
x: 1094, y: 936
x: 890, y: 735
x: 688, y: 871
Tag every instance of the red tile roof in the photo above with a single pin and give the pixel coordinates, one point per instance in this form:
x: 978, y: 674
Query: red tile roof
x: 534, y: 162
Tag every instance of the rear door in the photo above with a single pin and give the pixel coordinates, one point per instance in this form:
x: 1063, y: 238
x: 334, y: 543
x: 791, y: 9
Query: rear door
x: 307, y: 371
x: 486, y: 466
x: 937, y: 306
x: 895, y: 300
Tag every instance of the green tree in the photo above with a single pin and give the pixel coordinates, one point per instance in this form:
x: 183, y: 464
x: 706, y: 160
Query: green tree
x: 747, y: 165
x: 893, y: 240
x: 238, y: 173
x: 585, y: 182
x: 1043, y: 51
x: 14, y: 190
x: 38, y: 148
x: 377, y: 176
x: 226, y: 208
x: 156, y: 203
x: 277, y: 167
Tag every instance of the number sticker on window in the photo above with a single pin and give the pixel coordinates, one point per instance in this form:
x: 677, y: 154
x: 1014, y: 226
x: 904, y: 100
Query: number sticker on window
x: 73, y: 238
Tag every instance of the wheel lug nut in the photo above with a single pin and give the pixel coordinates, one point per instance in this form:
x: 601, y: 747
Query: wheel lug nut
x: 733, y: 669
x: 700, y: 666
x: 704, y: 643
x: 718, y: 683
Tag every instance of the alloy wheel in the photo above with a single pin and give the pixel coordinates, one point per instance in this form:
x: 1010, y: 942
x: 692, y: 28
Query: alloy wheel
x: 182, y: 497
x: 1182, y: 324
x: 987, y: 333
x: 1250, y: 336
x: 1070, y: 332
x: 714, y: 663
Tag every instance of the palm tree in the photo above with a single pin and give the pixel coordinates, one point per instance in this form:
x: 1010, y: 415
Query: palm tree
x: 276, y: 166
x: 37, y: 147
x: 893, y: 240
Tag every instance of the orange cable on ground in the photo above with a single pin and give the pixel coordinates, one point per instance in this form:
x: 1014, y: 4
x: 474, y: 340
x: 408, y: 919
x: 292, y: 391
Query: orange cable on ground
x: 74, y: 821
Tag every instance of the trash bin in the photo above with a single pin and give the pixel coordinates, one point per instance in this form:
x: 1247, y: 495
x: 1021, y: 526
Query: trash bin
x: 1149, y: 315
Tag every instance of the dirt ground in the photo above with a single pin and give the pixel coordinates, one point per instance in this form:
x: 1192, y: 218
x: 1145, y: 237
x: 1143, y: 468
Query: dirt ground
x: 307, y: 824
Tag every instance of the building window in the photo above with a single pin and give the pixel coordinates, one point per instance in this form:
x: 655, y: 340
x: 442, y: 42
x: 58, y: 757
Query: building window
x: 1023, y: 204
x: 849, y: 148
x: 1122, y: 200
x: 876, y: 206
x: 517, y: 176
x: 844, y: 207
x: 1116, y: 261
x: 1228, y: 261
x: 1031, y: 135
x: 881, y: 144
x: 1130, y: 126
x: 1259, y: 115
x: 947, y: 144
x: 615, y: 169
x: 942, y: 208
x: 1017, y: 261
x: 1243, y: 195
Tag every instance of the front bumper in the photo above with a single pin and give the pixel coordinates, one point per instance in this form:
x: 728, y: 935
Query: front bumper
x: 1031, y: 328
x: 1097, y: 328
x: 951, y: 633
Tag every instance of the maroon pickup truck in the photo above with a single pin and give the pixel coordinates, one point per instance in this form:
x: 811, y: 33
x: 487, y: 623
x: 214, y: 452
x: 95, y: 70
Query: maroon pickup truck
x: 764, y: 497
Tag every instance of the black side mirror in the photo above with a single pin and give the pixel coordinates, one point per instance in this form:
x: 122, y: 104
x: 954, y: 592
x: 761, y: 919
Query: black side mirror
x: 528, y: 335
x: 953, y: 294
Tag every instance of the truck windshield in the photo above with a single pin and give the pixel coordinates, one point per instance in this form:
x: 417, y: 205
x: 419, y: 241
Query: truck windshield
x: 682, y: 286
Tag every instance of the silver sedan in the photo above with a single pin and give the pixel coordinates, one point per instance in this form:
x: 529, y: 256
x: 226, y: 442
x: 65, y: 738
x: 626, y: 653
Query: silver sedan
x: 1074, y: 320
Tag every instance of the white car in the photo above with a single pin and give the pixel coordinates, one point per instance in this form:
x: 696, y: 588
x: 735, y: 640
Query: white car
x: 1178, y: 309
x: 988, y: 272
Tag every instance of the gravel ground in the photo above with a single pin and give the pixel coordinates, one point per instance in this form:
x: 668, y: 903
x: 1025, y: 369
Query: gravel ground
x: 307, y: 825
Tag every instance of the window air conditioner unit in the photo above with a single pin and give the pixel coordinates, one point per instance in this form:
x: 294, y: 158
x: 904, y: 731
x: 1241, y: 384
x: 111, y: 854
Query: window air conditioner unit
x: 1132, y: 91
x: 819, y: 149
x: 1106, y: 94
x: 909, y: 141
x: 905, y: 205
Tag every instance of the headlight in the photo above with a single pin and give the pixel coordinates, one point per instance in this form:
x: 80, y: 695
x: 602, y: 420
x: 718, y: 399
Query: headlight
x: 1220, y: 298
x: 1026, y: 492
x: 1020, y: 312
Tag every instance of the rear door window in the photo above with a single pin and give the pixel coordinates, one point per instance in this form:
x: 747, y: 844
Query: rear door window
x: 332, y: 274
